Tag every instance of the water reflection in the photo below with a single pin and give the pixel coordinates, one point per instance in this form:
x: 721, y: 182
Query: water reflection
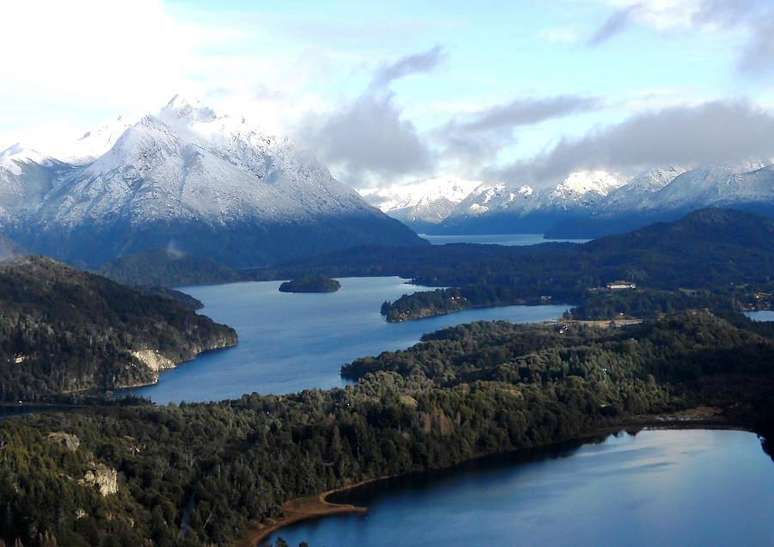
x: 682, y: 487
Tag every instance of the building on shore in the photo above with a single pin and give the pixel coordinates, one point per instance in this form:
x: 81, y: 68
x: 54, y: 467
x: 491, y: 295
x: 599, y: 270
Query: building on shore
x: 621, y: 285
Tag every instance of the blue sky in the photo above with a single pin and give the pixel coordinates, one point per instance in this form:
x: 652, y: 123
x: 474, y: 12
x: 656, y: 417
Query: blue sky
x: 304, y: 68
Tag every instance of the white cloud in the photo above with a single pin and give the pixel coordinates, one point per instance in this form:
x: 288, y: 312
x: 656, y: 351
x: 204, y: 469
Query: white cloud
x: 92, y: 50
x: 70, y: 65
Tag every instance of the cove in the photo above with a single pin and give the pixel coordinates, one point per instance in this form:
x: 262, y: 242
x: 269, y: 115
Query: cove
x: 289, y: 342
x: 657, y: 487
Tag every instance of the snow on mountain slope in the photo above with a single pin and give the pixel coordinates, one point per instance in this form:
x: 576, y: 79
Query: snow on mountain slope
x: 583, y: 189
x: 25, y: 176
x: 188, y: 162
x: 94, y: 143
x: 204, y: 182
x: 490, y: 198
x: 428, y: 200
x: 710, y: 185
x: 580, y: 189
x: 754, y: 186
x: 640, y: 189
x: 15, y: 157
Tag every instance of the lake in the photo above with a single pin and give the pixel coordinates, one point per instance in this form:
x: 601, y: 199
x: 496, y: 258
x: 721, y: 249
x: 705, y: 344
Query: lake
x: 289, y: 342
x: 678, y: 487
x: 763, y: 315
x: 497, y: 239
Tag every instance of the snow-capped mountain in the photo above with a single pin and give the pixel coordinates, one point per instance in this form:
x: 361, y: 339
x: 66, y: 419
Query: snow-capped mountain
x: 490, y: 198
x: 95, y: 142
x: 641, y: 188
x: 208, y: 184
x: 25, y: 177
x: 579, y: 189
x: 584, y: 189
x: 426, y: 201
x: 596, y: 201
x: 14, y: 158
x: 714, y: 185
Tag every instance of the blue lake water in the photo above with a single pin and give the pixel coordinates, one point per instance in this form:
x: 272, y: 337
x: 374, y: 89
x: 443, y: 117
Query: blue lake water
x: 497, y: 239
x: 290, y: 342
x: 674, y: 488
x: 764, y: 315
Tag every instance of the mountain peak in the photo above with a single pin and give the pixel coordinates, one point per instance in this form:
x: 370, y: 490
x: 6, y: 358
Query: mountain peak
x: 189, y: 109
x: 16, y: 154
x: 580, y: 183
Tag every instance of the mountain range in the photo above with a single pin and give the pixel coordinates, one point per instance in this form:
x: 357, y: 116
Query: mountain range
x: 586, y: 203
x: 421, y: 204
x: 186, y: 180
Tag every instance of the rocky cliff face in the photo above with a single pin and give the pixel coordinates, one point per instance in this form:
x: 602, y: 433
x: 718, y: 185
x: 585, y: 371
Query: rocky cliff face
x: 101, y: 477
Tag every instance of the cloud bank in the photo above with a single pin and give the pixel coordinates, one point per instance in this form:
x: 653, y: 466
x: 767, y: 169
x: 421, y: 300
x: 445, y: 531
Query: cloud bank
x: 478, y: 137
x: 711, y: 133
x: 370, y: 136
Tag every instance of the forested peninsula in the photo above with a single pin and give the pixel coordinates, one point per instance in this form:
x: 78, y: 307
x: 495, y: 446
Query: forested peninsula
x: 64, y: 332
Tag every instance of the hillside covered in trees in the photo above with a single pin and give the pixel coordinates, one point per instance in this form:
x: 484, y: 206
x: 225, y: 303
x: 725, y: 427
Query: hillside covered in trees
x: 198, y: 474
x: 711, y: 247
x: 716, y: 258
x: 65, y: 331
x: 167, y: 268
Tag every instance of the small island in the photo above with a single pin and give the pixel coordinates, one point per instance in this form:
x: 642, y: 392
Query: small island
x: 311, y: 283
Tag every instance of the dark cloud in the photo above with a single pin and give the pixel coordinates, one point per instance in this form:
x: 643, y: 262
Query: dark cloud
x: 370, y: 136
x: 614, y: 24
x: 716, y: 132
x: 405, y: 66
x: 477, y: 137
x: 526, y: 112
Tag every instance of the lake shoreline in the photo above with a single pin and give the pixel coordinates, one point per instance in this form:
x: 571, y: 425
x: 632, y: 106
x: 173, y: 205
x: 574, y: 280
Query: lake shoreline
x: 316, y: 507
x: 304, y: 509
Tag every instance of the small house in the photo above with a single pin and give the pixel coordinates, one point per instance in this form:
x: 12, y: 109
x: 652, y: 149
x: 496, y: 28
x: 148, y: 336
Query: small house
x: 621, y: 285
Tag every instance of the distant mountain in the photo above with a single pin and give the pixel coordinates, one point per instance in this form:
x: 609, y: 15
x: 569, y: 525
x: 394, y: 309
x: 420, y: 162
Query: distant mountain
x: 65, y: 331
x: 502, y: 208
x: 594, y: 203
x: 423, y: 203
x: 208, y: 185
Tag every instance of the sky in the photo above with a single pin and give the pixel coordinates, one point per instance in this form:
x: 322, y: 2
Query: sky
x: 389, y: 92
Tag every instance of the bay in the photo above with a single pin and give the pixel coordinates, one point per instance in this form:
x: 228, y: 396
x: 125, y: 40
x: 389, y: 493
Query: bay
x: 289, y: 342
x: 658, y: 487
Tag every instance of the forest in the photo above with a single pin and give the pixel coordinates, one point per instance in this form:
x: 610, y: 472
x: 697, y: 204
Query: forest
x: 64, y: 331
x: 197, y: 474
x: 710, y: 247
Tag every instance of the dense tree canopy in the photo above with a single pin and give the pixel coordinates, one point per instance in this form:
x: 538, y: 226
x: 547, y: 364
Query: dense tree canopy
x: 198, y: 474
